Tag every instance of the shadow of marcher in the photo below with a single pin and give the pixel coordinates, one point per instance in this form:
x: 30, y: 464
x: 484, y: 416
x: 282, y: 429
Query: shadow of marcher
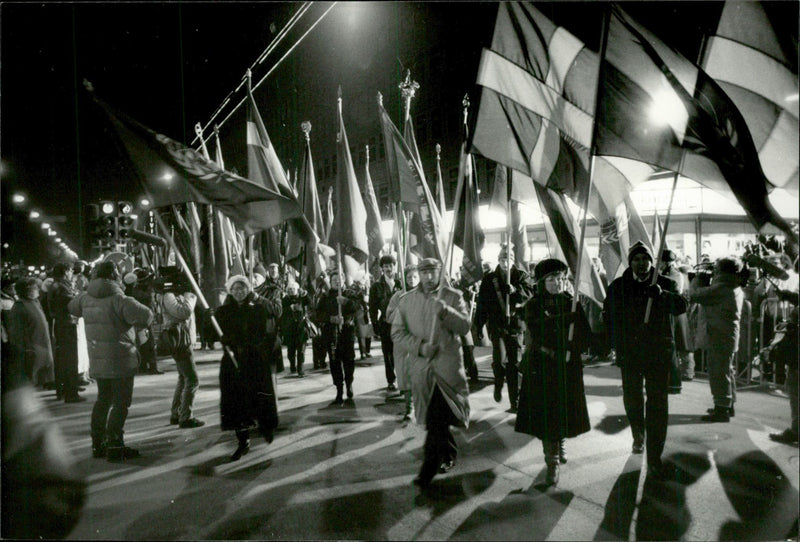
x: 621, y: 503
x: 763, y: 497
x: 663, y: 514
x: 510, y: 519
x: 611, y: 425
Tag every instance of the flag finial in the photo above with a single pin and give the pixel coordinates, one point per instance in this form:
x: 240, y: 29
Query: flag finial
x: 367, y: 148
x: 306, y: 127
x: 380, y: 99
x: 88, y: 85
x: 408, y: 87
x: 198, y: 129
x: 216, y: 130
x: 438, y: 152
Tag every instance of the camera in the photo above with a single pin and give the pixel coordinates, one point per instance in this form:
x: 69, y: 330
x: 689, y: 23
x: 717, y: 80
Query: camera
x: 170, y: 280
x: 703, y: 272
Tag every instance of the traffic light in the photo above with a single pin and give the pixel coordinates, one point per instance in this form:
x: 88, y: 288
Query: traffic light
x: 126, y: 221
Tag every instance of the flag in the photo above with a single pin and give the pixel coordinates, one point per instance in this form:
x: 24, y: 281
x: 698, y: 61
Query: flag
x: 171, y: 174
x: 620, y: 228
x: 536, y: 111
x: 349, y: 229
x: 329, y: 214
x: 264, y: 167
x: 748, y: 60
x: 703, y: 135
x: 374, y: 233
x: 405, y: 174
x: 554, y: 206
x: 440, y: 200
x: 658, y: 232
x: 307, y: 187
x: 468, y: 234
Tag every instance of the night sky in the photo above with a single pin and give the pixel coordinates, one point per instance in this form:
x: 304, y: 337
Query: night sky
x: 170, y: 66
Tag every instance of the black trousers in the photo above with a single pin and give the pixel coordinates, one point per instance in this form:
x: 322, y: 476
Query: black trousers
x: 343, y: 362
x: 321, y: 347
x: 387, y: 346
x: 468, y: 350
x: 440, y: 445
x: 65, y: 358
x: 296, y: 352
x: 505, y: 356
x: 650, y: 375
x: 110, y: 411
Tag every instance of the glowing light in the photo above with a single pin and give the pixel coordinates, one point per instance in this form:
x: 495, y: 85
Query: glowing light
x: 668, y: 109
x: 57, y: 239
x: 52, y: 233
x: 144, y: 202
x: 34, y: 215
x: 18, y: 198
x: 45, y: 226
x: 107, y: 208
x: 5, y: 245
x: 168, y: 176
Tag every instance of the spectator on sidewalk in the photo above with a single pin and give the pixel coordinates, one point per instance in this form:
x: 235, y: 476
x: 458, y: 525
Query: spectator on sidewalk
x: 29, y: 337
x: 65, y: 334
x: 111, y: 318
x: 785, y: 351
x: 722, y: 305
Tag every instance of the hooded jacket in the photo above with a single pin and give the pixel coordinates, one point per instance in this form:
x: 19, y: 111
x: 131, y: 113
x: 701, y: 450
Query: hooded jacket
x: 110, y: 317
x: 624, y: 310
x: 722, y: 305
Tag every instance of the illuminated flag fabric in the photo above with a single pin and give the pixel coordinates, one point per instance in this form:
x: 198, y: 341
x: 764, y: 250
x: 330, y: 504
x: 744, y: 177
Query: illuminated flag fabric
x: 406, y: 171
x: 536, y: 110
x: 468, y: 234
x: 704, y: 136
x: 264, y: 167
x: 349, y: 230
x: 329, y: 214
x: 620, y: 229
x: 171, y: 173
x: 374, y: 233
x: 757, y: 69
x: 554, y: 206
x: 402, y: 170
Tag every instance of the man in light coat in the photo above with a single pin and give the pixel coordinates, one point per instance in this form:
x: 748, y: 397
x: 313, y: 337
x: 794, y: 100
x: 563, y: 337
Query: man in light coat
x: 438, y: 381
x: 110, y: 317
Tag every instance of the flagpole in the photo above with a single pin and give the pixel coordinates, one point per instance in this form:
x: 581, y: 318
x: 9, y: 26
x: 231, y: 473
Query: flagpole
x: 401, y: 257
x: 459, y: 187
x: 508, y: 243
x: 194, y: 284
x: 338, y: 301
x: 597, y: 95
x: 662, y: 242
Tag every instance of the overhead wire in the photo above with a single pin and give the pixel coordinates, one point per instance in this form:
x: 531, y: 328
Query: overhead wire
x: 262, y: 57
x: 264, y: 54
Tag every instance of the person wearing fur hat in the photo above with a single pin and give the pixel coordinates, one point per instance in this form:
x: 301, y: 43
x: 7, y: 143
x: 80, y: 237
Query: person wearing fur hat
x: 552, y: 400
x: 624, y: 313
x: 247, y: 380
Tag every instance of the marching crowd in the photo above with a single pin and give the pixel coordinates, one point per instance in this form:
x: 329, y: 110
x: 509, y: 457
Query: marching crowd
x: 540, y: 339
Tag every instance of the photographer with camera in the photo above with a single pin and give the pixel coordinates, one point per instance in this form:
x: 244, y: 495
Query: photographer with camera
x: 177, y: 303
x: 722, y: 305
x: 139, y: 285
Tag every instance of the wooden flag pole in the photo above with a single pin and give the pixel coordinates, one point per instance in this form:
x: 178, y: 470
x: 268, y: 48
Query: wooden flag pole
x: 508, y: 243
x: 579, y: 262
x: 661, y: 244
x: 339, y: 269
x: 194, y: 284
x: 401, y: 257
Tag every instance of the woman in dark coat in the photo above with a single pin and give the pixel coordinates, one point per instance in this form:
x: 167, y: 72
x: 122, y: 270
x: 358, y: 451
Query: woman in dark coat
x: 247, y: 392
x: 552, y: 401
x: 29, y: 337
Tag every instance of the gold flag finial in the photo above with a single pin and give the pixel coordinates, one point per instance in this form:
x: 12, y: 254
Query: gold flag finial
x: 88, y: 85
x: 408, y: 87
x: 306, y: 127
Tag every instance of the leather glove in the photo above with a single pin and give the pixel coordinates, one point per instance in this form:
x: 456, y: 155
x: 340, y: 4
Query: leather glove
x: 653, y: 291
x: 428, y: 350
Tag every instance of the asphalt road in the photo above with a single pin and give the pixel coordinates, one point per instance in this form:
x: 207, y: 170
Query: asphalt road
x: 345, y: 472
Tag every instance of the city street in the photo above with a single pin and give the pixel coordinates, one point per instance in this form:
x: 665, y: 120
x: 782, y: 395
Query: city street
x: 346, y: 472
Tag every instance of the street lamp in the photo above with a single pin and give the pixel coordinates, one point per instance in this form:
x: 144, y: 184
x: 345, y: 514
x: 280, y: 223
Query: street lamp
x: 34, y: 215
x: 45, y: 226
x: 18, y: 199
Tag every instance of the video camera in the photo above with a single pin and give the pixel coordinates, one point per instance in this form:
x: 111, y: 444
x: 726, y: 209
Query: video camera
x: 703, y: 272
x: 170, y: 280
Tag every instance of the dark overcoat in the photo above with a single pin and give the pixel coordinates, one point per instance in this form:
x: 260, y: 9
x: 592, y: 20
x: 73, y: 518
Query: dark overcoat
x: 552, y: 400
x: 248, y: 393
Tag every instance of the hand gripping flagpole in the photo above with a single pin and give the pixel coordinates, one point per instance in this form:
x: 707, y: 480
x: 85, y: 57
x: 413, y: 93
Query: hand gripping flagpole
x: 456, y: 204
